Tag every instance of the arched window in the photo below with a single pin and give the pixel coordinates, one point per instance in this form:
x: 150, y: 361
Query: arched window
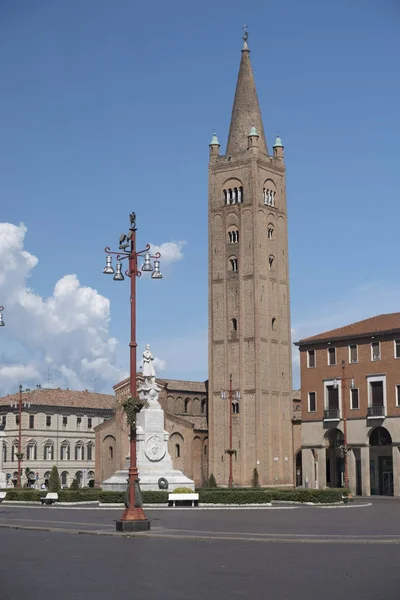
x: 177, y: 450
x: 48, y: 451
x: 233, y: 192
x: 273, y: 324
x: 233, y: 236
x: 271, y: 261
x: 64, y: 478
x: 78, y: 477
x: 270, y: 231
x: 65, y: 451
x: 14, y: 451
x: 233, y: 262
x: 110, y: 452
x: 4, y: 452
x: 31, y: 450
x: 187, y: 403
x: 205, y: 450
x: 203, y: 406
x: 79, y: 451
x: 89, y: 451
x: 269, y: 196
x: 235, y: 408
x: 234, y: 324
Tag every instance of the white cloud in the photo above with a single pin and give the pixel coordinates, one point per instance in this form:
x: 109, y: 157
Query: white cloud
x: 170, y: 251
x: 59, y: 341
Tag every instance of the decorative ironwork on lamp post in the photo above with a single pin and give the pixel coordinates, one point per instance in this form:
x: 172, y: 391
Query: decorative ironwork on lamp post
x: 1, y: 316
x: 344, y: 449
x: 230, y: 451
x: 133, y: 518
x: 20, y: 405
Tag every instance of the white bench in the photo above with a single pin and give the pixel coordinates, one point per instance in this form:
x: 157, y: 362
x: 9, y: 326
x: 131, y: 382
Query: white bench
x: 174, y: 498
x: 2, y: 496
x: 50, y: 498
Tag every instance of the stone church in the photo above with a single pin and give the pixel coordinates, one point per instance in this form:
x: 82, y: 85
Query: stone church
x: 249, y: 322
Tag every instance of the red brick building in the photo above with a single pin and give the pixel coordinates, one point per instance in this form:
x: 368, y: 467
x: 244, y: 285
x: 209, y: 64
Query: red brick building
x: 351, y: 376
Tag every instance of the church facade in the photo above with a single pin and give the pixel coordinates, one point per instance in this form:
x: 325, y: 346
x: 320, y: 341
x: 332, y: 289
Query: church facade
x: 249, y: 301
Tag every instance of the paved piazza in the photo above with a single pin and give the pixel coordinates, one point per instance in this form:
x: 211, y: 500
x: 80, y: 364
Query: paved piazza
x: 282, y: 553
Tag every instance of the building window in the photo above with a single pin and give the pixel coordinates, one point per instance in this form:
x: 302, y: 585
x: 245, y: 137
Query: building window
x: 48, y: 421
x: 4, y: 453
x: 65, y: 421
x: 4, y: 420
x: 312, y: 402
x: 31, y: 451
x: 235, y: 408
x: 177, y: 450
x: 65, y: 451
x: 233, y: 236
x: 397, y: 348
x: 269, y: 197
x: 234, y: 324
x: 234, y: 264
x: 376, y: 396
x: 375, y: 351
x: 331, y: 356
x: 31, y: 421
x: 187, y: 402
x: 78, y: 422
x: 354, y: 400
x: 311, y: 359
x: 64, y: 478
x: 79, y: 453
x: 17, y: 419
x: 89, y: 423
x: 205, y: 450
x: 273, y: 324
x: 233, y: 195
x: 48, y: 453
x: 110, y: 453
x: 89, y: 452
x: 203, y: 406
x: 270, y: 232
x: 353, y: 353
x: 397, y: 395
x: 271, y: 260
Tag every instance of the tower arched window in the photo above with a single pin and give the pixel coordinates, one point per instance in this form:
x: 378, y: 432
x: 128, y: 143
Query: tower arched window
x: 270, y: 231
x: 233, y: 236
x: 177, y: 450
x: 269, y: 196
x: 233, y: 262
x: 110, y: 452
x: 235, y: 408
x: 271, y: 261
x: 273, y: 324
x: 234, y: 324
x: 233, y: 192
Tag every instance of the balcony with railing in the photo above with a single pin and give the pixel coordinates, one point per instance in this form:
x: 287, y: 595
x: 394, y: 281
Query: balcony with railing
x: 376, y: 412
x: 332, y: 414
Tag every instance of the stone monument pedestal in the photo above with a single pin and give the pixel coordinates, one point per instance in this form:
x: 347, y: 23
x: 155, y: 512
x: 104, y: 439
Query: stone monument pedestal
x: 153, y: 459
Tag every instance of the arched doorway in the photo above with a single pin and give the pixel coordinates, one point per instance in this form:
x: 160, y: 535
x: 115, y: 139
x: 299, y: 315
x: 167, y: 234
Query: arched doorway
x: 381, y: 462
x: 334, y: 440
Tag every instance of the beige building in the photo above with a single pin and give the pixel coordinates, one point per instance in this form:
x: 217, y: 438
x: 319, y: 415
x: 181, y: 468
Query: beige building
x: 350, y: 382
x: 185, y: 408
x: 57, y: 429
x: 249, y: 315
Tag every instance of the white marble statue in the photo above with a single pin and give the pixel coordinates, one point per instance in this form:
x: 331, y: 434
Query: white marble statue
x: 148, y: 368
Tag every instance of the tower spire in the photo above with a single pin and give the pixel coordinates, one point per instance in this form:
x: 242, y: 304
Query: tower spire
x: 246, y: 110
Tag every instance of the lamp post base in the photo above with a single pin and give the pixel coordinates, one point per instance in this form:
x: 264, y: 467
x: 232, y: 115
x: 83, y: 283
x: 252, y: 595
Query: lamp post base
x: 129, y: 526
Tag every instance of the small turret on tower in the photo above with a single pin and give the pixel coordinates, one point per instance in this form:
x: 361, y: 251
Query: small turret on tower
x: 253, y: 139
x: 278, y: 149
x: 214, y: 147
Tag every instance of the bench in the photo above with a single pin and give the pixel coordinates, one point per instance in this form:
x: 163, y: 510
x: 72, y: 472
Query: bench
x: 174, y: 498
x: 50, y: 498
x: 2, y: 496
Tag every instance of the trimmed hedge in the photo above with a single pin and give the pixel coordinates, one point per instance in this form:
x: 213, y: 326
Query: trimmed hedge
x: 206, y: 496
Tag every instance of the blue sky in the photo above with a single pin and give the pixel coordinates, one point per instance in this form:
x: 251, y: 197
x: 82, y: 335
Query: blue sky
x: 108, y: 107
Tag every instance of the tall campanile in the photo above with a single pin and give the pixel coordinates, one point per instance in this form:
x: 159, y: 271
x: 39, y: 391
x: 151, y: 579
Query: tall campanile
x: 249, y: 309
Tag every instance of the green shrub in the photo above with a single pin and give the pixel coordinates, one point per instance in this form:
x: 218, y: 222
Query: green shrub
x: 78, y: 495
x: 74, y: 485
x: 211, y: 482
x: 54, y: 481
x: 25, y: 495
x: 156, y: 497
x: 182, y: 490
x: 262, y: 496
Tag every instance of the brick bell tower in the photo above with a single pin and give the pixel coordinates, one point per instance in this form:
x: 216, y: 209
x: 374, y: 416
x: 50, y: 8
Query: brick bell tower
x: 249, y: 310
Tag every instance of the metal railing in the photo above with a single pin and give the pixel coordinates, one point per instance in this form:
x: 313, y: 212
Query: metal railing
x: 332, y: 413
x: 376, y: 411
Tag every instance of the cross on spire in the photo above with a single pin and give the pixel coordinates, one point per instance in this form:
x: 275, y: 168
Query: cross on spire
x: 246, y: 33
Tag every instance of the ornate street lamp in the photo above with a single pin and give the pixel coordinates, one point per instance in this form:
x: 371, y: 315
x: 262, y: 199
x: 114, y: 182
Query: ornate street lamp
x: 1, y: 316
x: 230, y: 451
x: 133, y: 518
x: 345, y: 448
